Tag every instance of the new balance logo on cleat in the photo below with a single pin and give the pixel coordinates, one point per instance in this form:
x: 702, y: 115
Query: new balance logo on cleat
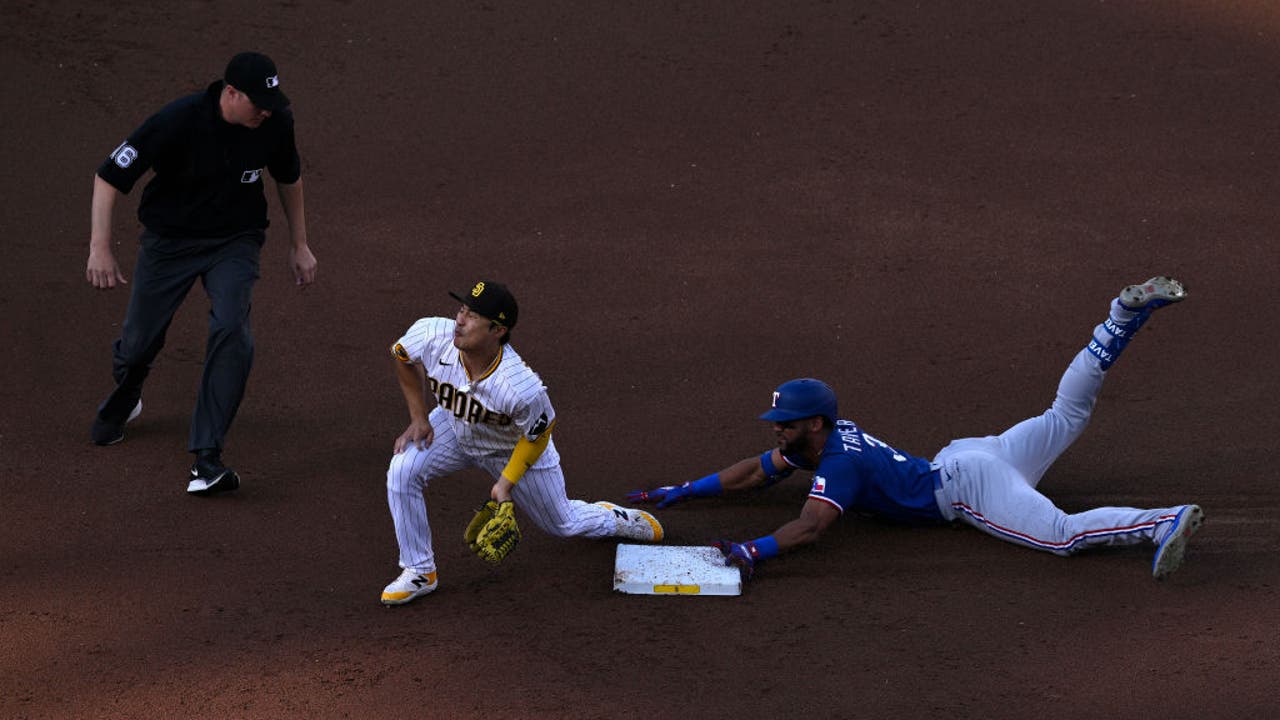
x: 634, y: 524
x: 410, y: 585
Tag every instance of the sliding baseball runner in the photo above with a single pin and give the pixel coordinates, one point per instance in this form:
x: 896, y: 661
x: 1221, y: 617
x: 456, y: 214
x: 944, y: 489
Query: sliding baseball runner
x: 990, y: 483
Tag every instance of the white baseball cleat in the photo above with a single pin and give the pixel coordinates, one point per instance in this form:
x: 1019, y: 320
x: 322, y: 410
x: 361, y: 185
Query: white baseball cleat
x: 634, y: 524
x: 1154, y: 293
x: 411, y: 584
x: 1173, y: 548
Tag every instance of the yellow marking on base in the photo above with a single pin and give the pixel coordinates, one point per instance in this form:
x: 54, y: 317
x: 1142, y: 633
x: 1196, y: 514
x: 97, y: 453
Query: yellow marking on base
x: 678, y: 589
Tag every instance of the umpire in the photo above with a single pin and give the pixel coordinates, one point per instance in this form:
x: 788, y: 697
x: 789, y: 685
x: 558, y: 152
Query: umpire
x: 204, y: 216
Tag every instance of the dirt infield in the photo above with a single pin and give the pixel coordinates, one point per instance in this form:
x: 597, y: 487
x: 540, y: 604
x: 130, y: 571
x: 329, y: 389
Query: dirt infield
x: 927, y: 204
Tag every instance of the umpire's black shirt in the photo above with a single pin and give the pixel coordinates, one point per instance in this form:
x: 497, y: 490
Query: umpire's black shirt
x: 208, y: 172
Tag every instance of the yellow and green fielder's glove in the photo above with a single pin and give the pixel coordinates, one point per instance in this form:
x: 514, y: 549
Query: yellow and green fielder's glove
x: 483, y: 515
x: 493, y: 533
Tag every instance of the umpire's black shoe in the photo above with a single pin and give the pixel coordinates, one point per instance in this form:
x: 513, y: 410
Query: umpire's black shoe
x: 109, y: 431
x: 209, y: 476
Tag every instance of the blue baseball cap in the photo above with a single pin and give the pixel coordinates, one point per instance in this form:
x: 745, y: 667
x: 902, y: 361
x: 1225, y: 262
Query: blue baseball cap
x: 802, y: 398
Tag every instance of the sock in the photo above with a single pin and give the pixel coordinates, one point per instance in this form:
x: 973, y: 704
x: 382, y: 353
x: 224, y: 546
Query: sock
x: 1121, y: 314
x: 1113, y: 336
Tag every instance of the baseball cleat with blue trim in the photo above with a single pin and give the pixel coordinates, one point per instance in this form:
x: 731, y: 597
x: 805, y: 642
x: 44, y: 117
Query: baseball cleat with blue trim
x: 1152, y: 294
x: 1173, y: 548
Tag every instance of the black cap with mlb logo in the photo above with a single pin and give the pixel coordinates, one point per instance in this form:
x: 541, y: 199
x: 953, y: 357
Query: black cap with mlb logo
x: 256, y: 76
x: 490, y: 300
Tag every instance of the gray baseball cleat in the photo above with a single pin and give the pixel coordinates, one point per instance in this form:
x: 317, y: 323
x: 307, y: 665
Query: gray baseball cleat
x: 1154, y: 293
x: 1173, y: 548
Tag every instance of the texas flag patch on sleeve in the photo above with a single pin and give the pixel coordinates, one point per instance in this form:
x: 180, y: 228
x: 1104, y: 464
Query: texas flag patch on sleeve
x: 819, y: 484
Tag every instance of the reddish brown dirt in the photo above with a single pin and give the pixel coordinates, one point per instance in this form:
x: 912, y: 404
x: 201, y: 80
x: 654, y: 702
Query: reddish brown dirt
x: 928, y: 204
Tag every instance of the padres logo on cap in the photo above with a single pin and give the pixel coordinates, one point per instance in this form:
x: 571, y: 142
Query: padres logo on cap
x: 490, y: 299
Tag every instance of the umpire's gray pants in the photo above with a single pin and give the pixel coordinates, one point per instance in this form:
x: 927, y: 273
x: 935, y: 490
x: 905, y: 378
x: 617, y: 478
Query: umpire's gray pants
x: 167, y: 268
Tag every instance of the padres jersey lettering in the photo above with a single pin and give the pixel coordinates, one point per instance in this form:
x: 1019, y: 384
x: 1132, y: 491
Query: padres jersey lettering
x: 461, y: 404
x: 498, y: 408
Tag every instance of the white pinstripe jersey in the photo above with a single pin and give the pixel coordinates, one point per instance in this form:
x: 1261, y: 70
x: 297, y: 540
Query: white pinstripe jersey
x: 489, y: 413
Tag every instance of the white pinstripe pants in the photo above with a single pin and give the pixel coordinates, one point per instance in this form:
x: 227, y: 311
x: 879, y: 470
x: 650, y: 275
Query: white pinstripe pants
x: 539, y: 496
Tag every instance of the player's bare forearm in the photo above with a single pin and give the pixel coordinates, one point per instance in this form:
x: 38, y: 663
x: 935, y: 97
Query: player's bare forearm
x: 742, y: 475
x: 102, y: 271
x: 293, y: 202
x: 103, y: 204
x: 419, y: 433
x: 413, y: 386
x: 301, y: 259
x: 815, y: 517
x: 501, y: 490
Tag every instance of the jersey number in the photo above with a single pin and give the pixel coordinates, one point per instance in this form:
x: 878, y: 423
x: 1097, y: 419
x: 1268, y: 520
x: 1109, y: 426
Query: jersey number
x: 873, y: 441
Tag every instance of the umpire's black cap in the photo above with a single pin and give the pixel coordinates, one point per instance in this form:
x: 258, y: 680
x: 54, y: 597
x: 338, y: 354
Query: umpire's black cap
x: 255, y: 75
x: 491, y: 300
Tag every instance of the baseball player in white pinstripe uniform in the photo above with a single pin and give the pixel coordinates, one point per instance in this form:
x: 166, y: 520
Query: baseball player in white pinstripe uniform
x: 490, y: 411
